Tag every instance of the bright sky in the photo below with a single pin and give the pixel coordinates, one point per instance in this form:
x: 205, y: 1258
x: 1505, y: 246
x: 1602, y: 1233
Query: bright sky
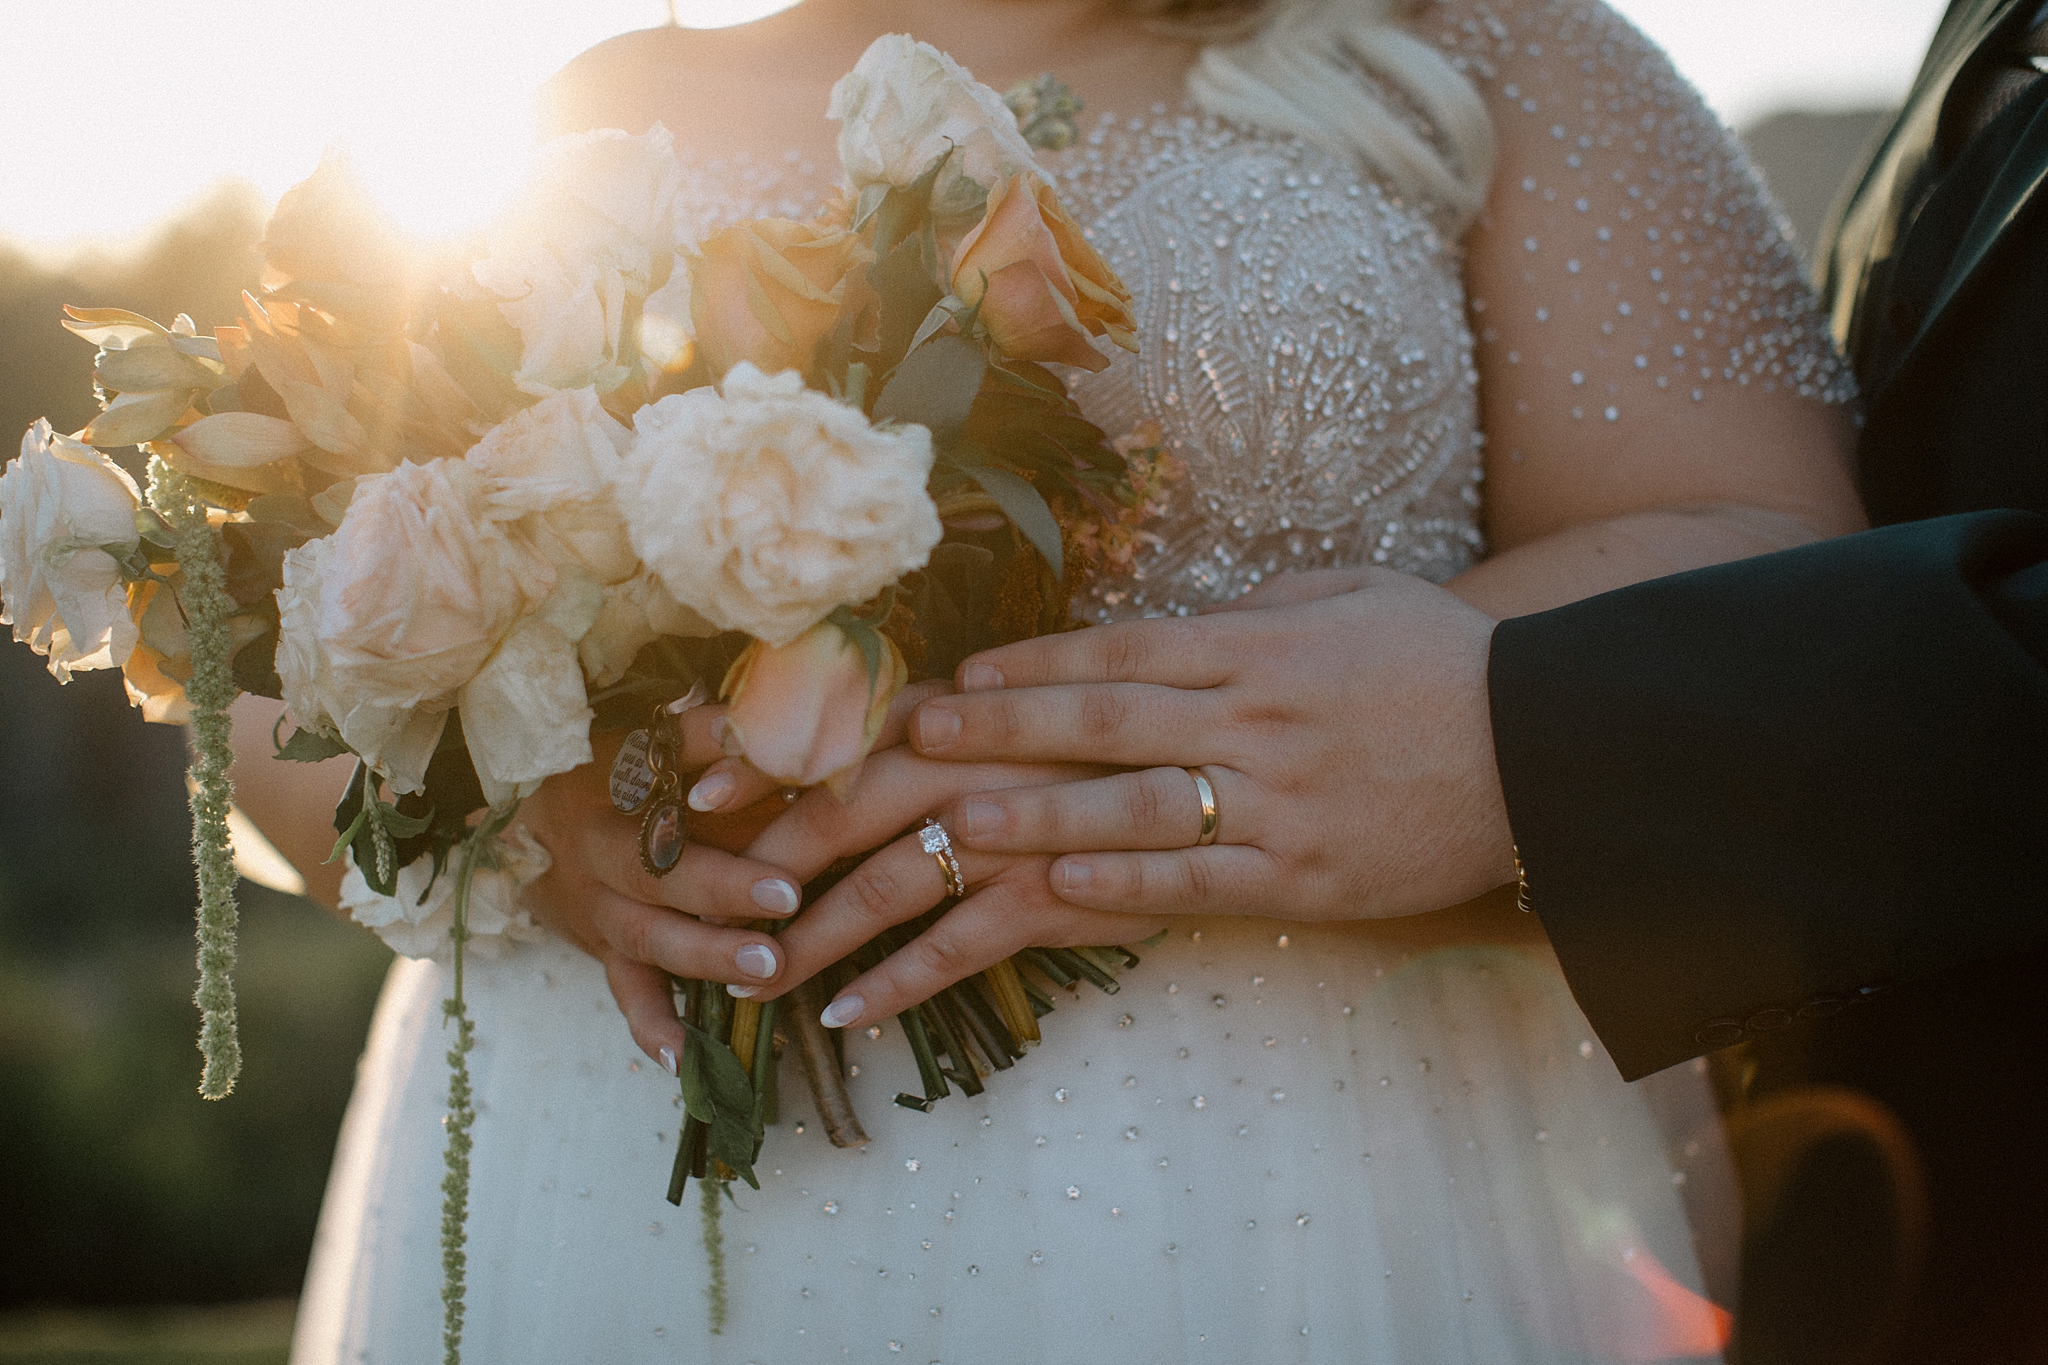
x: 118, y: 112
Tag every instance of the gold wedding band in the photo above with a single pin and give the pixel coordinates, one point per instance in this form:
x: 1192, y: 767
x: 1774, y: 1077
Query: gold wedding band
x: 1210, y: 818
x: 932, y: 835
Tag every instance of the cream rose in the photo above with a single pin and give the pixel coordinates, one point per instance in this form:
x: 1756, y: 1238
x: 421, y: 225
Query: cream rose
x: 525, y: 716
x: 599, y: 230
x: 904, y: 104
x: 633, y: 615
x: 416, y: 921
x: 767, y: 505
x: 383, y: 622
x: 61, y: 503
x: 549, y: 470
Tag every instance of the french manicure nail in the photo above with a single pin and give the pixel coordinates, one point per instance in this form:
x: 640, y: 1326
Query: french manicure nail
x: 756, y: 960
x: 980, y: 817
x: 668, y: 1060
x: 980, y: 678
x: 842, y: 1011
x: 1073, y: 876
x: 712, y: 791
x: 742, y: 992
x: 937, y: 726
x: 775, y: 896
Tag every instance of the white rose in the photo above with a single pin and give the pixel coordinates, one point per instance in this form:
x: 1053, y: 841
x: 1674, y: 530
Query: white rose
x: 524, y: 715
x: 904, y: 103
x: 383, y: 622
x: 496, y: 920
x: 60, y: 502
x: 765, y: 507
x: 633, y: 615
x: 397, y: 741
x: 550, y: 469
x: 600, y: 228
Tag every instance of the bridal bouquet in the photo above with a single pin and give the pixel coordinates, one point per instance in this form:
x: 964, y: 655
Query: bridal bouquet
x: 456, y: 514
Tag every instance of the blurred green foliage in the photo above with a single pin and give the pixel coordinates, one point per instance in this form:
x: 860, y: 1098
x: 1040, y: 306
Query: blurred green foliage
x: 122, y: 1186
x: 237, y: 1334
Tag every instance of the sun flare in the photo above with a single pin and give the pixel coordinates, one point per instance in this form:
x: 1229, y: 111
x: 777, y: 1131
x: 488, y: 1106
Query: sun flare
x: 133, y: 110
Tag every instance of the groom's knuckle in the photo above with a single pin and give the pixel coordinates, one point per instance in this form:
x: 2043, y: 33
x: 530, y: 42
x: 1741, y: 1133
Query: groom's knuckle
x: 1144, y: 802
x: 1103, y: 712
x: 1123, y: 655
x: 1197, y: 879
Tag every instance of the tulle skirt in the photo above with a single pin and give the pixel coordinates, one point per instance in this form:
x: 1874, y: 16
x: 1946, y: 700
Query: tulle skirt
x: 1280, y: 1143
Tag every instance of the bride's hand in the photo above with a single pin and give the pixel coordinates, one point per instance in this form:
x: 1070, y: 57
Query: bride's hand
x: 1008, y: 906
x: 691, y: 923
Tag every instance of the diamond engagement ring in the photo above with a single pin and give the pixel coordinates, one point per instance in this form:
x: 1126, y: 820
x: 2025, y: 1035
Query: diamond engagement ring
x: 932, y: 835
x: 1210, y: 817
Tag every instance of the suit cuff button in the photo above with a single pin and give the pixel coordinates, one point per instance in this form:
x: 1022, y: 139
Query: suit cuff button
x: 1719, y: 1033
x: 1820, y: 1007
x: 1768, y: 1019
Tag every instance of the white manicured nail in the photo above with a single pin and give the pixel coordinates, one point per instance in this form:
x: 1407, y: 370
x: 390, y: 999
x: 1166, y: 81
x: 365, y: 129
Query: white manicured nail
x: 713, y: 791
x: 756, y: 960
x: 668, y: 1060
x: 842, y: 1011
x: 742, y: 992
x: 775, y: 896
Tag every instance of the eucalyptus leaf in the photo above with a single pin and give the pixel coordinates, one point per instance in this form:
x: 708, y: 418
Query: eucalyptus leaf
x: 310, y: 746
x: 286, y: 509
x: 716, y: 1092
x: 1026, y: 509
x: 935, y: 386
x: 400, y: 825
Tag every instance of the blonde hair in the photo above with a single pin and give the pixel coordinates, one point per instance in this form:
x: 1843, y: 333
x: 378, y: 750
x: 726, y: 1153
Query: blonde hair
x: 1331, y: 73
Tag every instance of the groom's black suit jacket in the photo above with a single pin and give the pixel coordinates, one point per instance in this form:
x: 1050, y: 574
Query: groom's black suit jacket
x: 1764, y: 792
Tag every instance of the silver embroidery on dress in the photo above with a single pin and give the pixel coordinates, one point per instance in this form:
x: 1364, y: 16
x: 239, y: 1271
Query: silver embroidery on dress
x: 1303, y: 350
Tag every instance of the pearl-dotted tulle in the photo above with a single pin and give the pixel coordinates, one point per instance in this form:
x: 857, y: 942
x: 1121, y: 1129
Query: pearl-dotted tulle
x: 1335, y: 1151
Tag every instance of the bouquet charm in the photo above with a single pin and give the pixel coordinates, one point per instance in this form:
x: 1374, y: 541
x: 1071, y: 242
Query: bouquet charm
x: 644, y: 777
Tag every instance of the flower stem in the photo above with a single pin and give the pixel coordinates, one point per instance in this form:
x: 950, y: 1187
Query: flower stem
x: 207, y: 606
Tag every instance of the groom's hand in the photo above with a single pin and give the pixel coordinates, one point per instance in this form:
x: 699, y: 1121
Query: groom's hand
x: 1342, y: 723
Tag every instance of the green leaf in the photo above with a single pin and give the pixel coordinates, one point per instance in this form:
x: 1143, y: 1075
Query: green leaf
x: 285, y: 509
x: 716, y: 1092
x: 401, y: 825
x: 866, y: 640
x: 906, y: 292
x: 310, y: 746
x: 935, y: 386
x: 1026, y: 509
x: 871, y: 198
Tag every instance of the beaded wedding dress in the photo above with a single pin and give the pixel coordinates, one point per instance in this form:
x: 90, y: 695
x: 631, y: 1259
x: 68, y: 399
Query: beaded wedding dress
x: 1342, y: 1143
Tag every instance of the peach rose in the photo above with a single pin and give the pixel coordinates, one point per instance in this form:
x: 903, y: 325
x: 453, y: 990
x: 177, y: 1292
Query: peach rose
x: 805, y: 713
x: 1043, y: 290
x: 769, y: 291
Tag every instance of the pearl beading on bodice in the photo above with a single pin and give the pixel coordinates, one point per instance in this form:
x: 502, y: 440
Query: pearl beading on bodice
x: 1303, y: 349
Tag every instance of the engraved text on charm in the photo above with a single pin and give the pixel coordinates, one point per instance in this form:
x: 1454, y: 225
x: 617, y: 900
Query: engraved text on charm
x: 661, y: 836
x: 632, y: 774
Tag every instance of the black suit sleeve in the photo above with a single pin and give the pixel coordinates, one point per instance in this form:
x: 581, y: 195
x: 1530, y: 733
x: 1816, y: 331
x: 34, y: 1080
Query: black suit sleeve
x: 1758, y: 792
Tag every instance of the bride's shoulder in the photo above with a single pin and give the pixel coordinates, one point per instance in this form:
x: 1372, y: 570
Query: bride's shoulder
x: 621, y: 82
x: 704, y: 85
